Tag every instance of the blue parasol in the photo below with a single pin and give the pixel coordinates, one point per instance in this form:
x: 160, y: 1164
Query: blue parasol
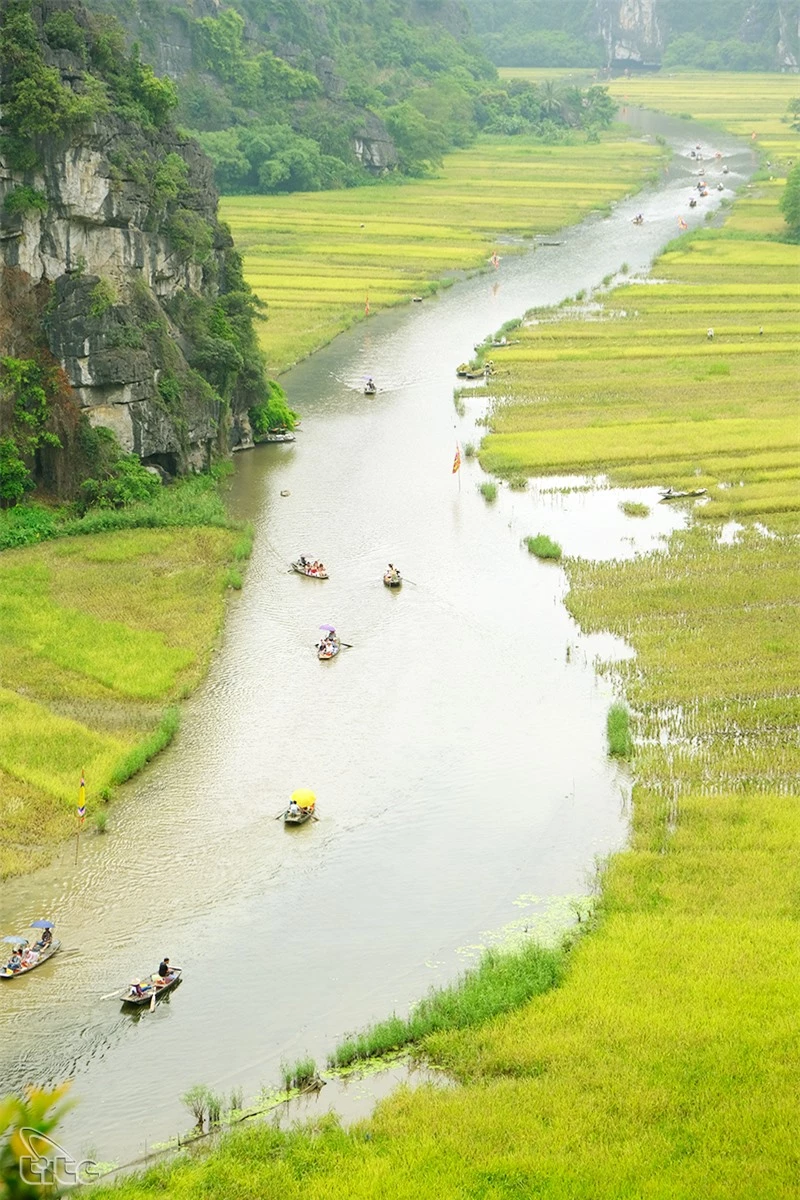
x: 13, y: 940
x: 328, y: 628
x: 43, y: 924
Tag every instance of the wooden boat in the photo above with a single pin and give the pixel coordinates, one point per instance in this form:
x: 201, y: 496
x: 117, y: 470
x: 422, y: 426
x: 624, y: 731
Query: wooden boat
x: 276, y: 435
x: 299, y: 817
x: 393, y: 579
x: 471, y: 372
x: 173, y: 979
x: 44, y: 955
x: 669, y: 494
x: 301, y: 570
x: 328, y: 649
x: 370, y: 389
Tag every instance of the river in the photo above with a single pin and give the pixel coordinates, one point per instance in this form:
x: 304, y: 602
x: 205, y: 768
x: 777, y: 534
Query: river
x: 457, y: 750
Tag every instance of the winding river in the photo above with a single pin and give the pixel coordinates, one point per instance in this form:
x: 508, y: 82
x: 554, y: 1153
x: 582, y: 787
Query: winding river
x: 457, y: 750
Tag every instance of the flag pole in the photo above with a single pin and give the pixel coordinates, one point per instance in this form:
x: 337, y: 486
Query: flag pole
x: 81, y: 814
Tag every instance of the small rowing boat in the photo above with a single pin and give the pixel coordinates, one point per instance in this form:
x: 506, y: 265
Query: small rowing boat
x: 297, y: 816
x: 328, y: 648
x: 133, y: 1000
x: 308, y: 569
x: 670, y: 494
x: 370, y: 389
x: 393, y: 579
x: 43, y: 956
x: 276, y: 435
x: 25, y: 957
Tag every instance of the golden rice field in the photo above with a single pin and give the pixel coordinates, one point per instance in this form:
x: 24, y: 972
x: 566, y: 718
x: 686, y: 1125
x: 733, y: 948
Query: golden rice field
x: 316, y: 258
x: 666, y: 1064
x: 99, y: 634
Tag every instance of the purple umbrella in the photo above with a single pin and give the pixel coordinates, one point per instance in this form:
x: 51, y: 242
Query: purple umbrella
x: 328, y: 628
x: 43, y: 925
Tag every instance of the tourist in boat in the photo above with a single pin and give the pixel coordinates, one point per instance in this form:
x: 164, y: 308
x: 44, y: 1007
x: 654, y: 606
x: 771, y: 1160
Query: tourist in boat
x: 15, y: 962
x: 46, y: 938
x: 320, y: 567
x: 294, y: 811
x: 302, y: 560
x: 30, y: 958
x: 164, y: 971
x: 136, y: 988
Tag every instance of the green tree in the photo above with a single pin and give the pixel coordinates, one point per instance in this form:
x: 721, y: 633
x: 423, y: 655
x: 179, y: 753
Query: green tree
x: 790, y: 201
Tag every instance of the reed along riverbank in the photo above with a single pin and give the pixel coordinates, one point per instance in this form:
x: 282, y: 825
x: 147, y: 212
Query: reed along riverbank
x: 665, y: 1063
x: 102, y: 635
x: 320, y: 259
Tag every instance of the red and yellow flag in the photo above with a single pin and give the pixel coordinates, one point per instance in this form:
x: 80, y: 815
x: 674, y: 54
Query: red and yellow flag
x: 457, y: 459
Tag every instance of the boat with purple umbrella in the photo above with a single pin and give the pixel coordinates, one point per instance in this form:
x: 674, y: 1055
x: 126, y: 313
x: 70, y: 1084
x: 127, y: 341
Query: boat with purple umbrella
x: 329, y: 645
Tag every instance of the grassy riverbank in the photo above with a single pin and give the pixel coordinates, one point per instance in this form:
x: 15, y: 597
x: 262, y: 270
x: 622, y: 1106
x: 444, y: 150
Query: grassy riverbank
x: 315, y: 258
x: 665, y: 1064
x: 101, y: 635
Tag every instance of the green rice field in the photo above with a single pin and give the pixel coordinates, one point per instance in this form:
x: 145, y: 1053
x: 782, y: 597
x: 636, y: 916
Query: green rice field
x: 665, y: 1066
x: 633, y: 386
x: 99, y: 634
x: 317, y: 258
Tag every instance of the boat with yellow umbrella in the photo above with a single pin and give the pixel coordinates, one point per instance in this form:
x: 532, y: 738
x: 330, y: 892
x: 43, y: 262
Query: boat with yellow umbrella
x: 301, y: 807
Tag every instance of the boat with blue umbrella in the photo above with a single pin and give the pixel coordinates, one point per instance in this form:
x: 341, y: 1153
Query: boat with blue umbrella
x: 27, y: 957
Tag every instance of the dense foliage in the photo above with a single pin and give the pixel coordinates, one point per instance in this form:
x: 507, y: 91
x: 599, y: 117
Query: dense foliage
x: 37, y: 103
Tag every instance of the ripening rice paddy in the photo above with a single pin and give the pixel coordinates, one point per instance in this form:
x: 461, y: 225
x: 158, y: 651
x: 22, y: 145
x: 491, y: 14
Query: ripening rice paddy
x: 665, y: 1066
x: 317, y: 258
x: 99, y: 634
x: 634, y: 386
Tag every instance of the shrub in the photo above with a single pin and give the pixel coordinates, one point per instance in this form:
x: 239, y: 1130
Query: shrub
x: 25, y: 523
x: 233, y: 579
x: 128, y: 482
x: 469, y: 450
x: 543, y: 547
x: 64, y: 33
x: 618, y: 731
x: 15, y: 478
x: 102, y: 298
x: 488, y: 490
x: 23, y: 199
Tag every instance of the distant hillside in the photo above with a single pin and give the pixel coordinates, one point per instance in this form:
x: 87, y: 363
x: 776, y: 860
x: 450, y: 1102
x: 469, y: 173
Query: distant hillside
x: 737, y: 35
x: 309, y: 94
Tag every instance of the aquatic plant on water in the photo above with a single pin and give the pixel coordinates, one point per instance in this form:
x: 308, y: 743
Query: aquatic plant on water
x: 543, y: 547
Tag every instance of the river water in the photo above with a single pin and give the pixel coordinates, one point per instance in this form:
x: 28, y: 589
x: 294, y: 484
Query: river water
x: 457, y: 750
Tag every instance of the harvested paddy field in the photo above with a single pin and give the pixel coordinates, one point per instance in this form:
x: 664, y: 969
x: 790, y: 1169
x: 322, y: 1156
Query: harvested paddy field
x: 100, y: 635
x: 316, y: 258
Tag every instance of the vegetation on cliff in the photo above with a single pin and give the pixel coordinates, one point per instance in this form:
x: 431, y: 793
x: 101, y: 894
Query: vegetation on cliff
x: 308, y: 97
x: 171, y: 326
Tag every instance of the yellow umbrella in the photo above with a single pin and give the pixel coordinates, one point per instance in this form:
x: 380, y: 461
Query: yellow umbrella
x: 304, y: 798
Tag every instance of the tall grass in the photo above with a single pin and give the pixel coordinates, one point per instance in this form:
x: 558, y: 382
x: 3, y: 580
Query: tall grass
x: 618, y: 731
x: 503, y: 980
x: 299, y: 1075
x: 158, y: 740
x: 488, y: 490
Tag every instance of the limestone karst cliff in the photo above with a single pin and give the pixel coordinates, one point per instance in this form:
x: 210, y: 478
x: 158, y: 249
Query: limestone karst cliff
x: 113, y: 264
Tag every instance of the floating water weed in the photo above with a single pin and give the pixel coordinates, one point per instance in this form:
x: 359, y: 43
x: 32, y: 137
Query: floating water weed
x: 634, y: 508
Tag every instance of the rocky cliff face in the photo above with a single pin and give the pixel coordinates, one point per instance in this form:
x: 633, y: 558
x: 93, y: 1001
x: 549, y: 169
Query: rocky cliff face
x: 631, y: 31
x: 119, y: 265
